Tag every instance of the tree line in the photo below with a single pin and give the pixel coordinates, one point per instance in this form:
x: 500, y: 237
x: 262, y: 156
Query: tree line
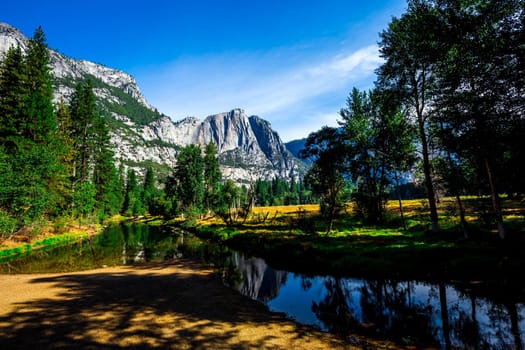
x: 447, y: 106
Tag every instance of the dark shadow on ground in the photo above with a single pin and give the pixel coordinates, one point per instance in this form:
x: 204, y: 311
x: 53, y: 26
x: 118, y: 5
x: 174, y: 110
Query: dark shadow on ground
x: 137, y: 310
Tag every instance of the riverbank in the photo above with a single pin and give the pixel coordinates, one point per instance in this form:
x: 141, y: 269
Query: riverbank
x: 178, y: 304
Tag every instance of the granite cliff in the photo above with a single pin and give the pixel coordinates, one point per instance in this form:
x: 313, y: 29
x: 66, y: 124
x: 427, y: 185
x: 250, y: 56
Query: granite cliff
x: 248, y: 147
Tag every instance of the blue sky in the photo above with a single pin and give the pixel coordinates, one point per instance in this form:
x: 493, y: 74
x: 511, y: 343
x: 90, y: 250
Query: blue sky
x: 290, y: 62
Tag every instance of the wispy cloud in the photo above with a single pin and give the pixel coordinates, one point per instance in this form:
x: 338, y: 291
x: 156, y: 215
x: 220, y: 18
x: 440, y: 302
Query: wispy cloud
x: 283, y: 86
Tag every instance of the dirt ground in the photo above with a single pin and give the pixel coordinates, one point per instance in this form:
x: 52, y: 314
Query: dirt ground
x: 176, y: 305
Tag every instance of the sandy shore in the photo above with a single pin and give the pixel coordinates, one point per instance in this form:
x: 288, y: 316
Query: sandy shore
x: 177, y: 305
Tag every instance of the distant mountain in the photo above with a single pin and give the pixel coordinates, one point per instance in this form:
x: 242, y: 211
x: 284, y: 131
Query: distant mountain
x: 295, y: 147
x: 248, y: 147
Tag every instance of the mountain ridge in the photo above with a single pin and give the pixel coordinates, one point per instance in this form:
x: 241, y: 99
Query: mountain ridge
x: 248, y: 148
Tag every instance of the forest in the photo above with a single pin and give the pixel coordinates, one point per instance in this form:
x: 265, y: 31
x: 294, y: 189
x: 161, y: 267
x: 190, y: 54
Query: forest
x: 407, y: 230
x: 446, y: 114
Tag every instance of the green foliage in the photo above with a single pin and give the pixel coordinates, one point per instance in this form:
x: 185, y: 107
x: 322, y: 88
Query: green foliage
x: 8, y: 224
x: 29, y: 156
x: 228, y: 203
x: 14, y: 94
x: 458, y: 68
x: 188, y: 179
x: 41, y: 119
x: 410, y: 48
x: 84, y: 200
x: 133, y: 204
x: 212, y: 176
x: 326, y: 177
x: 379, y: 143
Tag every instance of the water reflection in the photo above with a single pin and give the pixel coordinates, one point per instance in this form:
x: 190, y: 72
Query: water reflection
x: 117, y: 245
x: 408, y: 311
x: 411, y: 312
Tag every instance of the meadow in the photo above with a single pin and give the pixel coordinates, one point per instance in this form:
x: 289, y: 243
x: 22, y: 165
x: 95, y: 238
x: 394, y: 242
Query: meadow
x: 294, y: 238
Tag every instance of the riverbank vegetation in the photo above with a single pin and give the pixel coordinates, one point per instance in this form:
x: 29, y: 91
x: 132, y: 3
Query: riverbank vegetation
x: 293, y: 238
x: 446, y: 115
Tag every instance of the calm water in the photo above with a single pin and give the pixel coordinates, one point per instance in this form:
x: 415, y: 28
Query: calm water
x: 413, y: 312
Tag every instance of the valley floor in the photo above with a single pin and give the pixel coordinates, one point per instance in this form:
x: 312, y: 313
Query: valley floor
x: 175, y: 305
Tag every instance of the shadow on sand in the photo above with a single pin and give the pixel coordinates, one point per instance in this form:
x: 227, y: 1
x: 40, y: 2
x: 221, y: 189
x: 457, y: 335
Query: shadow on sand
x: 142, y: 308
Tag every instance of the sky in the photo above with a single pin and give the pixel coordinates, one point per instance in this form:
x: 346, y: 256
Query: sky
x: 290, y: 62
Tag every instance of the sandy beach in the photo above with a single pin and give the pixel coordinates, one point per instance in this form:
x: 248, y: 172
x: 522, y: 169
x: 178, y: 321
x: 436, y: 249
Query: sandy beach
x: 175, y: 305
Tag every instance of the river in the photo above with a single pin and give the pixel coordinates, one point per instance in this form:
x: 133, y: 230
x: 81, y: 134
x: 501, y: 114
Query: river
x: 447, y: 315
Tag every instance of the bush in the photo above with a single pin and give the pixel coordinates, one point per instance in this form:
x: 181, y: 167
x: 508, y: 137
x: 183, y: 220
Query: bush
x: 8, y: 224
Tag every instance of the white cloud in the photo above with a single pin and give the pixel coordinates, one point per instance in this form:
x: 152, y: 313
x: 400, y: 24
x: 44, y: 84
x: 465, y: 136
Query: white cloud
x: 281, y: 86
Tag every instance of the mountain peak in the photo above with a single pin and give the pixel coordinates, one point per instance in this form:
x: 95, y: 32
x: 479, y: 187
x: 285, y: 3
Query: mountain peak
x: 248, y: 148
x: 10, y: 37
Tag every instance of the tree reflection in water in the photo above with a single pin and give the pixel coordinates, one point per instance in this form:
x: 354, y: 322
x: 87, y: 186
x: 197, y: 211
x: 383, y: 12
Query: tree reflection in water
x: 409, y: 312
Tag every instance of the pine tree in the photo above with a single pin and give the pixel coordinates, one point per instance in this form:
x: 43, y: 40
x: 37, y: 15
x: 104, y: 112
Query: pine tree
x: 105, y: 176
x: 66, y: 154
x: 409, y: 47
x: 41, y: 119
x: 212, y: 176
x: 27, y: 129
x: 133, y: 196
x: 189, y: 176
x: 13, y: 95
x: 92, y: 149
x: 150, y: 193
x: 83, y: 111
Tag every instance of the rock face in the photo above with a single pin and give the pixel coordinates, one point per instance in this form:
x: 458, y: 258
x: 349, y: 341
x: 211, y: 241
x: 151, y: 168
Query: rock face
x: 248, y: 147
x: 74, y: 70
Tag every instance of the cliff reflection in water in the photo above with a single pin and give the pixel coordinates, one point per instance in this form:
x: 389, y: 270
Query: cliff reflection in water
x: 408, y: 311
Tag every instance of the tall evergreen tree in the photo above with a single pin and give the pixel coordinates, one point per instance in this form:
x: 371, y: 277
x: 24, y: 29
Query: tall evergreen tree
x: 83, y: 111
x: 133, y: 196
x: 152, y: 196
x: 92, y: 148
x: 28, y: 124
x: 189, y: 176
x: 212, y: 176
x: 41, y: 119
x: 13, y: 97
x: 66, y: 154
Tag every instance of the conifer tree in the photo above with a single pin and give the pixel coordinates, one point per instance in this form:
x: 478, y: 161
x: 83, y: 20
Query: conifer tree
x: 27, y: 129
x: 212, y: 176
x: 189, y: 177
x: 150, y: 193
x: 13, y: 95
x: 41, y: 119
x: 409, y: 48
x: 132, y: 198
x: 83, y: 113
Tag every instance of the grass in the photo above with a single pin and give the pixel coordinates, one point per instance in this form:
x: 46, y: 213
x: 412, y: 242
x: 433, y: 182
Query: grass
x: 52, y: 242
x: 294, y: 238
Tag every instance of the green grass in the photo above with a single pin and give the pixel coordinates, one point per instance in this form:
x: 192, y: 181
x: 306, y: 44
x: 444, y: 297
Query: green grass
x: 43, y: 244
x: 293, y: 238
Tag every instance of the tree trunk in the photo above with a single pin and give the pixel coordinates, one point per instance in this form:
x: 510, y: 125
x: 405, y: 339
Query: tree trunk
x: 495, y: 200
x: 455, y: 189
x: 463, y: 222
x: 428, y: 177
x: 401, y: 212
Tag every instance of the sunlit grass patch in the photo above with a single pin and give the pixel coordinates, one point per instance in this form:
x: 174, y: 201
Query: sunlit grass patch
x: 287, y: 209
